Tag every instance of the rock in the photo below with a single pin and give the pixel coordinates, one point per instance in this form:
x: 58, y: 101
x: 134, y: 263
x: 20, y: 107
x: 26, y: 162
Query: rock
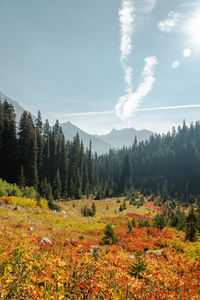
x: 63, y: 212
x: 45, y: 241
x: 132, y: 256
x: 15, y: 208
x: 157, y: 252
x: 94, y: 246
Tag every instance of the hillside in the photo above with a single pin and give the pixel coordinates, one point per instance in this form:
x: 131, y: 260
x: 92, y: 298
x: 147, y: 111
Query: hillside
x: 98, y: 145
x: 63, y: 255
x: 18, y: 108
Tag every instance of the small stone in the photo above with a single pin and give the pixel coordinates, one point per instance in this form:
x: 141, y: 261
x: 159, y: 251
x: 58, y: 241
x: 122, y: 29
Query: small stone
x: 132, y: 256
x: 31, y: 228
x: 157, y: 252
x: 45, y: 241
x: 94, y: 246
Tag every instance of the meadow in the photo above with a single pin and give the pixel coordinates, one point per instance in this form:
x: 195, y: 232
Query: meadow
x: 47, y: 254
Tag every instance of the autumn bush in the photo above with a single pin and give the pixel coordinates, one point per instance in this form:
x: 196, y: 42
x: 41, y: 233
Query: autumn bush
x: 74, y: 268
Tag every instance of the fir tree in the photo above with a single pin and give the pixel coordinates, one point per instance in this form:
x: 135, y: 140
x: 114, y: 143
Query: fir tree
x: 138, y: 268
x: 21, y: 178
x: 191, y: 226
x: 57, y: 186
x: 109, y: 236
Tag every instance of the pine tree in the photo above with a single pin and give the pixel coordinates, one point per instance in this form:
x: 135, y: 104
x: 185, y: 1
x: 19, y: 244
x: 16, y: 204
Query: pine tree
x: 21, y: 178
x: 93, y: 209
x: 9, y: 143
x: 138, y: 268
x: 109, y: 236
x: 129, y: 227
x: 28, y: 149
x: 133, y: 222
x: 191, y: 225
x: 57, y: 186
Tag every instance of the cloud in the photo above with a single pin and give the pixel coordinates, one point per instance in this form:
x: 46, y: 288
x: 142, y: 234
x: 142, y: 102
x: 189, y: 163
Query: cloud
x: 168, y: 24
x: 128, y: 104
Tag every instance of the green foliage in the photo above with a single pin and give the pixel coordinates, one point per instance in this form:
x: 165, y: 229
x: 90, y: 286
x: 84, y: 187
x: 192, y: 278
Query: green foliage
x: 57, y: 186
x: 159, y: 221
x: 178, y: 220
x: 138, y: 268
x: 145, y: 223
x: 88, y: 212
x: 129, y: 227
x: 109, y: 236
x: 8, y: 189
x: 95, y: 254
x: 191, y: 226
x: 133, y: 223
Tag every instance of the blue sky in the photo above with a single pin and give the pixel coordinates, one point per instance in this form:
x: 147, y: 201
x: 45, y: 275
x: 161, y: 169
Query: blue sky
x: 70, y: 57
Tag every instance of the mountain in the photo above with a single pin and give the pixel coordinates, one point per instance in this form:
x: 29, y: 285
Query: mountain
x: 18, y: 108
x: 98, y: 145
x: 125, y: 137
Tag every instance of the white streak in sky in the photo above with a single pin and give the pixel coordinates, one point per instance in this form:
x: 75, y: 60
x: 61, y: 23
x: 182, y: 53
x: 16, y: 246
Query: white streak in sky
x: 89, y: 113
x: 130, y: 101
x: 133, y: 100
x: 111, y: 112
x: 126, y: 20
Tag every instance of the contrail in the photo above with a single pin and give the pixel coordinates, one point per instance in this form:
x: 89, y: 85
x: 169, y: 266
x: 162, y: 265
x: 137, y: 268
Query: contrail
x: 130, y: 101
x: 169, y: 107
x: 90, y: 113
x: 126, y: 20
x: 133, y: 100
x: 111, y: 112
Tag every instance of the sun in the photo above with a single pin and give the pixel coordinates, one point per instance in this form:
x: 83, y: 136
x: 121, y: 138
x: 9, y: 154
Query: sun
x: 192, y: 28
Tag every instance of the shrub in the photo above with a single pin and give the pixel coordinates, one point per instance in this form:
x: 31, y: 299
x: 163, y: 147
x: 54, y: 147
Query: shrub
x: 138, y: 268
x: 109, y: 236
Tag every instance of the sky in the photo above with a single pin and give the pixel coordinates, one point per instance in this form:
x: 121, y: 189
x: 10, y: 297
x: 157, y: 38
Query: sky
x: 103, y: 64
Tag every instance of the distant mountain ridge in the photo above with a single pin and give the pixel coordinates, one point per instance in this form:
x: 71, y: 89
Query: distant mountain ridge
x: 125, y: 137
x: 18, y: 108
x: 100, y: 143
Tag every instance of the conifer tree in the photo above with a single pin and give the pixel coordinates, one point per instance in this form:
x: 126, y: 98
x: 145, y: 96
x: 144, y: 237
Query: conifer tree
x: 191, y: 225
x: 28, y: 149
x: 21, y: 178
x: 57, y: 186
x: 109, y: 236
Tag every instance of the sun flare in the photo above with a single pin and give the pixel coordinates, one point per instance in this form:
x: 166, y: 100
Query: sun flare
x: 193, y: 29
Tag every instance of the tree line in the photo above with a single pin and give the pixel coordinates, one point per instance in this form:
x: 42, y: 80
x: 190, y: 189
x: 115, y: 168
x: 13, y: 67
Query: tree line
x: 35, y: 154
x: 166, y: 165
